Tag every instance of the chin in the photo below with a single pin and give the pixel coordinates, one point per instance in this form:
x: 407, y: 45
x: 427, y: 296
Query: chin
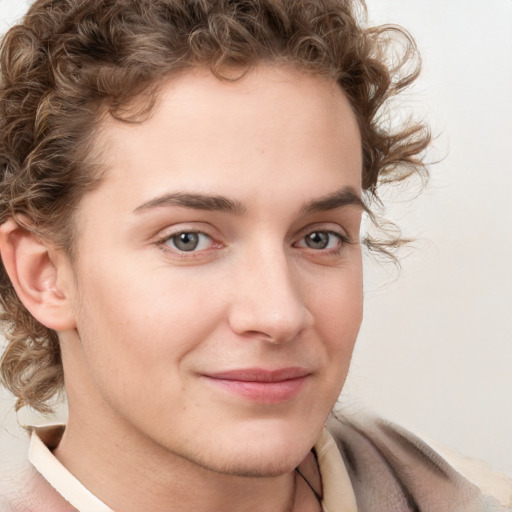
x: 258, y: 452
x: 259, y: 466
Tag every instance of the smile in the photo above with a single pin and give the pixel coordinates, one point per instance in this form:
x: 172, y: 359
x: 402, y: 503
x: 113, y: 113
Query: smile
x: 264, y: 386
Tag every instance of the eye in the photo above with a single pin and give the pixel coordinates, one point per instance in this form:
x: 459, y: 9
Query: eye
x: 188, y: 241
x: 322, y: 240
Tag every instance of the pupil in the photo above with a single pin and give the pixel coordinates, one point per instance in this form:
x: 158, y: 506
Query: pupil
x: 317, y: 240
x: 186, y: 241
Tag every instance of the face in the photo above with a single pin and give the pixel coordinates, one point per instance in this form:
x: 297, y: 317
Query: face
x: 218, y: 289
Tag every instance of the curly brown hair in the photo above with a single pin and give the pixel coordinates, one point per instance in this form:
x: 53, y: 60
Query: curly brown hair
x: 71, y: 62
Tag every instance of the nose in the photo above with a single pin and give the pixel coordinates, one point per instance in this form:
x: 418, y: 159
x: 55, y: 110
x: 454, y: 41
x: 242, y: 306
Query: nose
x: 268, y: 303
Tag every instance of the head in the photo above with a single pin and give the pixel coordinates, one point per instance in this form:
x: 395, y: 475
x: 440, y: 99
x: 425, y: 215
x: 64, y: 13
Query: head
x: 162, y: 154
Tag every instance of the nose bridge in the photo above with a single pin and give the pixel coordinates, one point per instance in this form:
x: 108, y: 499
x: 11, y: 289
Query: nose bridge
x: 269, y: 302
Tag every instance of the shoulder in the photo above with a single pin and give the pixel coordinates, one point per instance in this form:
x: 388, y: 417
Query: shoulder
x: 23, y: 489
x: 477, y: 471
x: 393, y: 469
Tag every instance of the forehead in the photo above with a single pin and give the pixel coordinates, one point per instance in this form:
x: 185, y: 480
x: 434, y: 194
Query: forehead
x: 275, y: 122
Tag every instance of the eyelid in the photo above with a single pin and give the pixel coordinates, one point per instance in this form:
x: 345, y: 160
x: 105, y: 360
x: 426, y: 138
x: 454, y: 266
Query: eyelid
x: 185, y: 227
x: 161, y: 239
x: 333, y: 229
x: 325, y: 227
x: 340, y: 236
x: 200, y: 241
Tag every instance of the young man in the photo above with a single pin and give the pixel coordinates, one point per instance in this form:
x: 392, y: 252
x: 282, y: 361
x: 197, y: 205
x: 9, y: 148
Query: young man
x: 182, y: 190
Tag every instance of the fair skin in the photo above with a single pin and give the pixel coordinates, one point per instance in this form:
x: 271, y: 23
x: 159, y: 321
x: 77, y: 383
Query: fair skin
x: 220, y: 249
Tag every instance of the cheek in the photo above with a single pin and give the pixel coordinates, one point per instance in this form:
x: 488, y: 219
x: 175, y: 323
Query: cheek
x: 145, y: 320
x: 339, y: 312
x: 338, y: 305
x: 338, y: 316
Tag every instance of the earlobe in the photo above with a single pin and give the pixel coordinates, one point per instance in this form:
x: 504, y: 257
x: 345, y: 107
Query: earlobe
x: 39, y: 276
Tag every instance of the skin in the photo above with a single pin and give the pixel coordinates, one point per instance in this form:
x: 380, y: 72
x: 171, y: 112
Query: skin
x: 148, y: 325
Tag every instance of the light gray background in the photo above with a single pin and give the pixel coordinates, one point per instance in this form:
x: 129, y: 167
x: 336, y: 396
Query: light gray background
x: 435, y: 350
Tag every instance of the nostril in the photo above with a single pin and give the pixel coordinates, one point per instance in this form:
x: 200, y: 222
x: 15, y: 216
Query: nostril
x: 273, y: 325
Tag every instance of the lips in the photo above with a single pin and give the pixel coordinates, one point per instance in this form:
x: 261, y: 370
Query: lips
x: 262, y: 385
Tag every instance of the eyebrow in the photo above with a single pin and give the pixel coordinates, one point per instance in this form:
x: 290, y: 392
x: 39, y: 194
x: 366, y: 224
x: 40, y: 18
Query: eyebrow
x: 194, y: 201
x: 346, y: 196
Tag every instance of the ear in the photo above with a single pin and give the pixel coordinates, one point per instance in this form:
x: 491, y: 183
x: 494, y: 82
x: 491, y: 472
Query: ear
x: 41, y: 276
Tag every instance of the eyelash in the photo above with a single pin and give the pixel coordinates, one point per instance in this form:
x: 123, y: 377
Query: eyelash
x: 163, y: 242
x: 341, y: 237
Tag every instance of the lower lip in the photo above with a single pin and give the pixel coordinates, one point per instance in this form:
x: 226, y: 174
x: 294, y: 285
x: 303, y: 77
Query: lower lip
x: 263, y: 392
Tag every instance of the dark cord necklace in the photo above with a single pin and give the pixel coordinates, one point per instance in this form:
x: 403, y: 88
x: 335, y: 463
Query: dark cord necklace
x: 317, y: 496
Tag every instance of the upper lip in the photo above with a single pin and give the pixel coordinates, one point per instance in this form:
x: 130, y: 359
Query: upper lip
x: 261, y: 374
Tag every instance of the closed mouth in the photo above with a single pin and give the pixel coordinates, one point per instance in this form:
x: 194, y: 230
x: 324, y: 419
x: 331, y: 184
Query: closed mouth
x: 262, y: 385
